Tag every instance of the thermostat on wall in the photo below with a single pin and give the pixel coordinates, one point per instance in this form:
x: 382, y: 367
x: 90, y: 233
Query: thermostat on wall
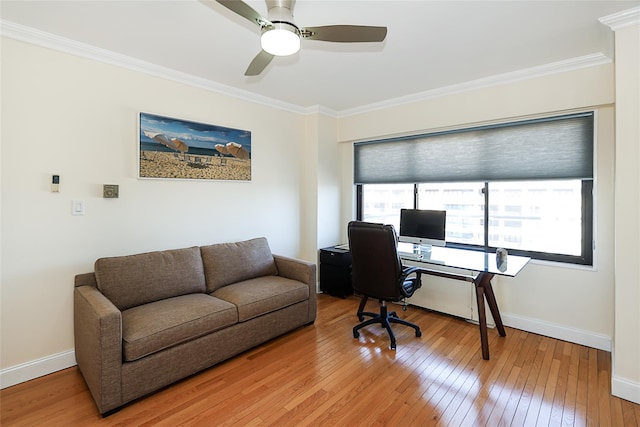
x: 55, y: 184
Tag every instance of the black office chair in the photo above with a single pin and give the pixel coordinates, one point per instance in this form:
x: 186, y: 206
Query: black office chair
x: 377, y: 272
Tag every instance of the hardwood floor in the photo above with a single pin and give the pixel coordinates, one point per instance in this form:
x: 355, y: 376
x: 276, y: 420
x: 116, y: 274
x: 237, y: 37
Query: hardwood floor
x: 321, y: 375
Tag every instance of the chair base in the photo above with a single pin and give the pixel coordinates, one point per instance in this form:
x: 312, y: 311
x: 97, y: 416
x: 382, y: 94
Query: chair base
x: 385, y: 318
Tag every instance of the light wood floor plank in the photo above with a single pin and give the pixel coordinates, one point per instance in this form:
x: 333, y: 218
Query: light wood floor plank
x: 527, y: 395
x: 321, y: 376
x: 592, y: 391
x: 560, y: 393
x: 486, y: 395
x: 604, y: 384
x: 580, y: 417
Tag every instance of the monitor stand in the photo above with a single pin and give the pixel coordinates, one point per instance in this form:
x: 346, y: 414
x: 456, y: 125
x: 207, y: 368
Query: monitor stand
x: 422, y: 248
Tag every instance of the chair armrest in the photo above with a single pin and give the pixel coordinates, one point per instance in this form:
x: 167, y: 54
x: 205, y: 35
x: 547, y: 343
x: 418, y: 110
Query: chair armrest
x: 98, y: 345
x: 301, y: 271
x: 407, y: 271
x: 416, y: 283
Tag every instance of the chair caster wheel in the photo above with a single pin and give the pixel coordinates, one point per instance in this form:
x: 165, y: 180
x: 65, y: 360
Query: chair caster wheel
x: 361, y: 318
x: 393, y: 346
x: 356, y: 334
x: 418, y: 333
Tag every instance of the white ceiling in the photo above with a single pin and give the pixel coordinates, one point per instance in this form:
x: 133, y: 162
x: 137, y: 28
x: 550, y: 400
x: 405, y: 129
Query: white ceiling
x: 430, y: 44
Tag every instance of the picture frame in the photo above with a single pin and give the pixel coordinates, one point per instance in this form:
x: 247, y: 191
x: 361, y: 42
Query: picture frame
x: 172, y: 148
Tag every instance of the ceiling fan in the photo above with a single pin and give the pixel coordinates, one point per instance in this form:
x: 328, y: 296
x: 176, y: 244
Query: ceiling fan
x: 281, y: 36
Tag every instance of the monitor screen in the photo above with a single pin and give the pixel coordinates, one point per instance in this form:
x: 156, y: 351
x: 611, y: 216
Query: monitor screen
x: 422, y: 226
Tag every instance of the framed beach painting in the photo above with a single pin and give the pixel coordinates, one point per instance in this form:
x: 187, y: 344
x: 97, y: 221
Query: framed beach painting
x: 172, y: 148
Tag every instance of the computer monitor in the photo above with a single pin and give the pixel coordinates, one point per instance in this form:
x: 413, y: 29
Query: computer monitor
x: 422, y: 226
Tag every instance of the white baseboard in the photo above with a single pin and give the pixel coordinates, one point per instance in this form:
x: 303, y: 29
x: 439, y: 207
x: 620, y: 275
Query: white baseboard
x: 577, y: 336
x: 36, y: 368
x: 625, y: 389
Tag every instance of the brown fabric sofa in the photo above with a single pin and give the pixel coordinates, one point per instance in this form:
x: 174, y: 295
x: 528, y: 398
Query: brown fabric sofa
x: 145, y: 321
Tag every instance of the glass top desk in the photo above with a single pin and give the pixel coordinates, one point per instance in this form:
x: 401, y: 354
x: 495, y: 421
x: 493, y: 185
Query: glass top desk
x: 483, y: 264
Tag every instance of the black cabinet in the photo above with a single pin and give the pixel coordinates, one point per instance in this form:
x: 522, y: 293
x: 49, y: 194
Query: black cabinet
x: 335, y: 271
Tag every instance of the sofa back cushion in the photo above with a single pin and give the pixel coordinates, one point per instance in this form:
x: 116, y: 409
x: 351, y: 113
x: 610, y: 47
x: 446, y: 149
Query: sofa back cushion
x: 133, y: 280
x: 227, y: 263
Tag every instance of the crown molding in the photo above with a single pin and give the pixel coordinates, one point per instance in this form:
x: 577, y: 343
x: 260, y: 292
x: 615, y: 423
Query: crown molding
x: 499, y: 79
x: 625, y: 18
x: 322, y: 110
x: 72, y: 47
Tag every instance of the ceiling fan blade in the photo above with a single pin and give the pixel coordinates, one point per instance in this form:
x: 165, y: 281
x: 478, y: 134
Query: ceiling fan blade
x: 259, y: 63
x: 345, y: 33
x: 242, y: 9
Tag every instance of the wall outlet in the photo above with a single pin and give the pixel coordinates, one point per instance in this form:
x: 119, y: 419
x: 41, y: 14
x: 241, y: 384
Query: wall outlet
x: 110, y: 191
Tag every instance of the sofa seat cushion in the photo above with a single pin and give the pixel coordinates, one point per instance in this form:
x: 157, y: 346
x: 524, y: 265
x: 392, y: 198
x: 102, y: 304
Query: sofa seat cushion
x: 228, y: 263
x: 152, y: 327
x: 133, y: 280
x: 263, y: 295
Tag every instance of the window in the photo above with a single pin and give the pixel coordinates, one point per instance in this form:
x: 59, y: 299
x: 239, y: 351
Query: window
x: 542, y: 207
x: 464, y: 203
x: 382, y: 203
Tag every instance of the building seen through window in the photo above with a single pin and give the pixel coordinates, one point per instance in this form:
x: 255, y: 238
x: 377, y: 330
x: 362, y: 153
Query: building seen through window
x: 538, y: 216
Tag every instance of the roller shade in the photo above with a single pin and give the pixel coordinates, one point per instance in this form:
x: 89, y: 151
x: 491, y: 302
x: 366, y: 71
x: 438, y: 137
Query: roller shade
x: 543, y: 149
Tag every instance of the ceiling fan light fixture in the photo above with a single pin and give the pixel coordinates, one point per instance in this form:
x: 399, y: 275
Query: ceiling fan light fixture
x: 281, y: 39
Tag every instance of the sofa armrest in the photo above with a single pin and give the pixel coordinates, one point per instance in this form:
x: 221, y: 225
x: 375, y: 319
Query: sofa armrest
x: 98, y: 345
x: 301, y: 271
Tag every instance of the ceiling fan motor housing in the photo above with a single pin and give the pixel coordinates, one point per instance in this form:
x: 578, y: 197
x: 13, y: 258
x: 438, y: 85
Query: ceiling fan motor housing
x: 279, y: 5
x: 281, y: 11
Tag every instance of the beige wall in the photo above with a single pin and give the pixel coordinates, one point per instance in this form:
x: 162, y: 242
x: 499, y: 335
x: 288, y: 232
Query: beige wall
x: 329, y: 177
x: 626, y: 354
x: 321, y: 198
x: 74, y: 117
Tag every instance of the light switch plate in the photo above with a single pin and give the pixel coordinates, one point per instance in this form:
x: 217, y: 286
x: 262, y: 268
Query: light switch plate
x: 77, y: 207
